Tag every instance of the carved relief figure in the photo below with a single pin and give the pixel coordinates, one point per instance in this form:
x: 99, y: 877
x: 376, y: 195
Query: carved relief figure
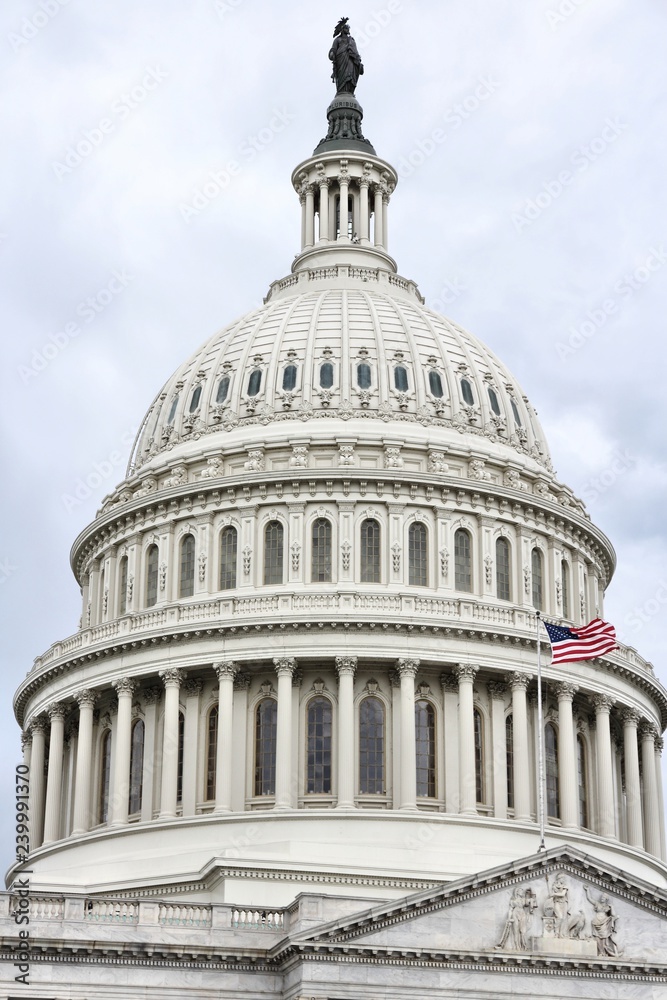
x: 477, y: 470
x: 436, y: 462
x: 255, y: 462
x: 603, y: 924
x: 558, y: 920
x: 178, y: 476
x: 213, y: 468
x: 347, y: 64
x: 522, y: 904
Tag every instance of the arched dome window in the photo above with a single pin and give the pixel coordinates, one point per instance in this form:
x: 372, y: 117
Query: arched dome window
x: 180, y: 758
x: 479, y: 756
x: 136, y: 766
x: 273, y: 553
x: 223, y: 390
x: 418, y: 555
x: 537, y: 573
x: 425, y: 747
x: 509, y: 759
x: 172, y: 411
x: 254, y: 382
x: 370, y: 551
x: 466, y: 392
x: 503, y: 570
x: 583, y: 783
x: 326, y: 375
x: 435, y: 384
x: 289, y: 378
x: 551, y: 767
x: 266, y: 724
x: 152, y: 557
x: 493, y: 400
x: 371, y: 747
x: 196, y: 398
x: 565, y: 587
x: 318, y: 746
x: 186, y: 585
x: 228, y: 557
x: 211, y: 752
x: 515, y: 412
x: 122, y: 586
x: 320, y: 563
x: 463, y: 561
x: 105, y: 777
x: 364, y: 375
x: 400, y: 378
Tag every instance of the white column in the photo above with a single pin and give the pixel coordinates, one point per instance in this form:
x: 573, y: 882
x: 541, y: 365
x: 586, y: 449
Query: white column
x: 121, y: 750
x: 324, y: 209
x: 450, y: 694
x: 54, y: 781
x: 171, y: 679
x: 239, y: 738
x: 385, y: 223
x: 632, y: 782
x: 465, y: 674
x: 344, y: 207
x: 36, y: 800
x: 285, y: 669
x: 346, y: 667
x: 521, y: 741
x: 378, y: 216
x: 302, y: 200
x: 659, y: 746
x: 497, y: 691
x: 647, y: 734
x: 364, y: 212
x: 84, y: 759
x: 150, y: 696
x: 224, y: 761
x: 407, y: 670
x: 193, y: 688
x: 605, y: 786
x: 567, y: 768
x: 310, y: 215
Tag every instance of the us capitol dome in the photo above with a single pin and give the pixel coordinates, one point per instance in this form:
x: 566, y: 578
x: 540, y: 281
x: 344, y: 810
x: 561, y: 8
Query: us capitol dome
x: 300, y: 710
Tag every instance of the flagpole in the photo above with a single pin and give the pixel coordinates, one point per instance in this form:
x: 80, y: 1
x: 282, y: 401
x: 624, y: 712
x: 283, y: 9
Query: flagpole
x: 540, y: 735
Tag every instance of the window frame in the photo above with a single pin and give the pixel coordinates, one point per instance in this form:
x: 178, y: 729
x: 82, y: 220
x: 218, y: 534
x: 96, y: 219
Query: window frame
x: 458, y: 569
x: 418, y: 569
x: 431, y: 753
x: 364, y: 771
x: 266, y: 563
x: 258, y: 779
x: 226, y: 531
x: 187, y: 565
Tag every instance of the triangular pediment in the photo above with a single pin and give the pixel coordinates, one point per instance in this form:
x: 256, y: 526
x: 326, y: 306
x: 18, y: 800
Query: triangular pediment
x: 560, y: 904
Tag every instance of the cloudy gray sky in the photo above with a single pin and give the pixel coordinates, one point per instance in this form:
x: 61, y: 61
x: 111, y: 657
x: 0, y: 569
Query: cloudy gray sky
x: 530, y: 140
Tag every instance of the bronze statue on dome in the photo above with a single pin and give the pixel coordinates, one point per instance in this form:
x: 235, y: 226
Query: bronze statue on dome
x: 347, y: 64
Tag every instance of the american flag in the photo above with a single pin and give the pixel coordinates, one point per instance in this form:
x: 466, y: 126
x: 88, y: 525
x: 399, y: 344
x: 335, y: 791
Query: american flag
x: 585, y: 643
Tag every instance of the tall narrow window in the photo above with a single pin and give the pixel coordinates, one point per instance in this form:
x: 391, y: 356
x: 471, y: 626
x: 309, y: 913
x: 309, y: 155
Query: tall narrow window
x: 223, y: 389
x: 326, y: 375
x: 186, y: 586
x: 196, y: 398
x: 105, y: 776
x: 551, y: 762
x: 435, y: 384
x: 289, y: 378
x: 371, y: 747
x: 318, y: 747
x: 273, y: 553
x: 228, y: 558
x: 537, y: 572
x: 425, y: 746
x: 400, y: 378
x: 266, y: 722
x: 254, y: 382
x: 180, y: 758
x: 364, y: 376
x: 493, y: 400
x: 211, y: 752
x: 418, y: 555
x: 479, y: 756
x: 503, y: 575
x: 172, y: 410
x: 583, y: 783
x: 321, y: 552
x: 122, y: 586
x: 370, y: 551
x: 462, y: 561
x: 509, y: 758
x: 136, y: 766
x: 565, y: 587
x: 151, y: 576
x: 515, y: 413
x: 466, y: 392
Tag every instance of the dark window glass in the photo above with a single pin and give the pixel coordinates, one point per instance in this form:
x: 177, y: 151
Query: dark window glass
x: 370, y: 551
x: 196, y: 396
x: 273, y: 553
x: 503, y: 584
x: 228, y: 558
x: 105, y: 776
x: 479, y: 756
x: 321, y: 554
x: 151, y: 576
x: 418, y: 555
x: 509, y: 756
x: 122, y: 586
x: 318, y: 747
x: 583, y: 784
x: 172, y: 410
x: 364, y: 376
x: 466, y: 392
x: 425, y: 745
x: 136, y: 766
x: 462, y: 561
x: 223, y: 389
x: 254, y: 382
x: 211, y: 752
x: 551, y: 759
x: 515, y: 412
x: 186, y: 586
x: 493, y: 399
x: 401, y: 378
x: 371, y: 747
x: 181, y: 756
x: 435, y: 384
x: 266, y: 722
x: 536, y: 565
x: 289, y: 378
x: 565, y: 584
x: 326, y: 375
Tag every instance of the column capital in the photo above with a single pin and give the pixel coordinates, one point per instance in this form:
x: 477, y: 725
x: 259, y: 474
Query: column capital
x: 565, y: 691
x: 26, y: 739
x: 57, y: 711
x: 630, y: 717
x: 497, y: 690
x: 407, y: 668
x: 242, y: 681
x: 449, y: 682
x: 86, y: 698
x: 659, y: 745
x: 226, y: 668
x: 285, y: 666
x: 151, y: 695
x: 193, y: 687
x: 124, y: 685
x: 171, y: 677
x: 346, y: 665
x: 518, y: 680
x: 602, y: 703
x: 465, y: 672
x: 647, y: 731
